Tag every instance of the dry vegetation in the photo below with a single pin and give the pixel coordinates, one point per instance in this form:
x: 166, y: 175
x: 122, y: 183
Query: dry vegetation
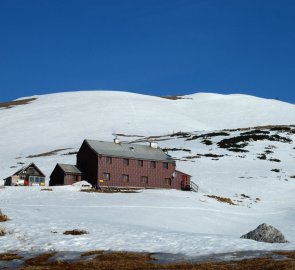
x: 10, y: 104
x: 3, y: 217
x: 46, y: 154
x: 9, y: 256
x: 104, y: 260
x: 221, y: 199
x: 172, y: 97
x: 46, y: 189
x: 39, y: 261
x: 75, y: 232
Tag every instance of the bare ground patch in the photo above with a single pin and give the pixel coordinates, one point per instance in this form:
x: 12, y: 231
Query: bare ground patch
x: 3, y: 217
x: 40, y: 261
x: 221, y: 199
x: 50, y: 153
x: 10, y: 104
x: 75, y: 232
x: 104, y: 260
x: 174, y: 97
x: 9, y: 256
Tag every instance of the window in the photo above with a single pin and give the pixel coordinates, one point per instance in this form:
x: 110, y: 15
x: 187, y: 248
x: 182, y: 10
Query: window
x: 165, y: 165
x: 109, y: 160
x: 140, y: 163
x: 125, y: 178
x: 106, y: 176
x: 168, y: 181
x: 126, y: 161
x: 153, y: 164
x: 144, y: 179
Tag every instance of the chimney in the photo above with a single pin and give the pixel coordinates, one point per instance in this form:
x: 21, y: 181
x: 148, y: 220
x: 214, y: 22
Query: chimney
x: 116, y: 140
x: 153, y: 144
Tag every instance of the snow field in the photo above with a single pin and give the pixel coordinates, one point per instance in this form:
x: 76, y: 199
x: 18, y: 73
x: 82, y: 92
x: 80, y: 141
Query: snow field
x: 152, y: 220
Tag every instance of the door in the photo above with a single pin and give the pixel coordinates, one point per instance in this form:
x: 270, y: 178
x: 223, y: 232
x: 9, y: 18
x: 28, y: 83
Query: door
x: 184, y: 182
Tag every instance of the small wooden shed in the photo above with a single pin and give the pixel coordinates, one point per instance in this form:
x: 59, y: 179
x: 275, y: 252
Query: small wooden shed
x: 29, y: 175
x: 65, y: 174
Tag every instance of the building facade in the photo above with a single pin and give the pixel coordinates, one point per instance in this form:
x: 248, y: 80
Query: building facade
x: 65, y: 174
x: 29, y: 175
x: 117, y: 164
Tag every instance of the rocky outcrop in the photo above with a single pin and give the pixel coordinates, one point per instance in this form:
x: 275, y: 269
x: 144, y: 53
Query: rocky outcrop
x: 266, y: 233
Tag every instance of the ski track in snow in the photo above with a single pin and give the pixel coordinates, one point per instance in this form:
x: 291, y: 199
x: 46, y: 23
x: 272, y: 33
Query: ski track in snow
x: 139, y: 206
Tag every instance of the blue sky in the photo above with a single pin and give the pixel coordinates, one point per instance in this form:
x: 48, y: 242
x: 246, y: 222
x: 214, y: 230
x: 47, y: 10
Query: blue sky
x: 156, y: 47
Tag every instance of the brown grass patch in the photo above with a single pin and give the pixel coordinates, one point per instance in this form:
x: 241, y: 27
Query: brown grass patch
x: 92, y: 252
x: 221, y: 199
x: 46, y: 154
x: 9, y: 256
x: 103, y: 261
x: 172, y: 97
x: 131, y: 261
x: 40, y: 260
x: 75, y: 232
x: 10, y: 104
x: 288, y: 254
x: 249, y: 264
x: 3, y: 217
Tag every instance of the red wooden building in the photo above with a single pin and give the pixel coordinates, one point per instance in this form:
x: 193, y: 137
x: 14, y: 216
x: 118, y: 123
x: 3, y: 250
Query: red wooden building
x: 119, y: 164
x: 65, y: 174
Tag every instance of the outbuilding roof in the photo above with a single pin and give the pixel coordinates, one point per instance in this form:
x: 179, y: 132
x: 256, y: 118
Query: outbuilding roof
x: 68, y: 168
x: 127, y: 150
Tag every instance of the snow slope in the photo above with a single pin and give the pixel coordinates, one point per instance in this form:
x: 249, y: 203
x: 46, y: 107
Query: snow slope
x: 262, y: 189
x: 64, y: 120
x: 153, y: 221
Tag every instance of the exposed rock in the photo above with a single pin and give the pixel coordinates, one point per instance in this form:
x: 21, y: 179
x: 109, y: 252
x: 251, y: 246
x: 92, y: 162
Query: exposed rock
x: 266, y: 233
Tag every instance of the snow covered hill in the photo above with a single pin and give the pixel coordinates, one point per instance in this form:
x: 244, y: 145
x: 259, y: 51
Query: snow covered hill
x: 63, y: 120
x: 208, y: 134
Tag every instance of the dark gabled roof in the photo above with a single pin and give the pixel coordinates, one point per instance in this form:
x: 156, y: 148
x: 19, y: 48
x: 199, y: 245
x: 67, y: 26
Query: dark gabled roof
x: 68, y: 168
x: 26, y: 167
x: 127, y: 150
